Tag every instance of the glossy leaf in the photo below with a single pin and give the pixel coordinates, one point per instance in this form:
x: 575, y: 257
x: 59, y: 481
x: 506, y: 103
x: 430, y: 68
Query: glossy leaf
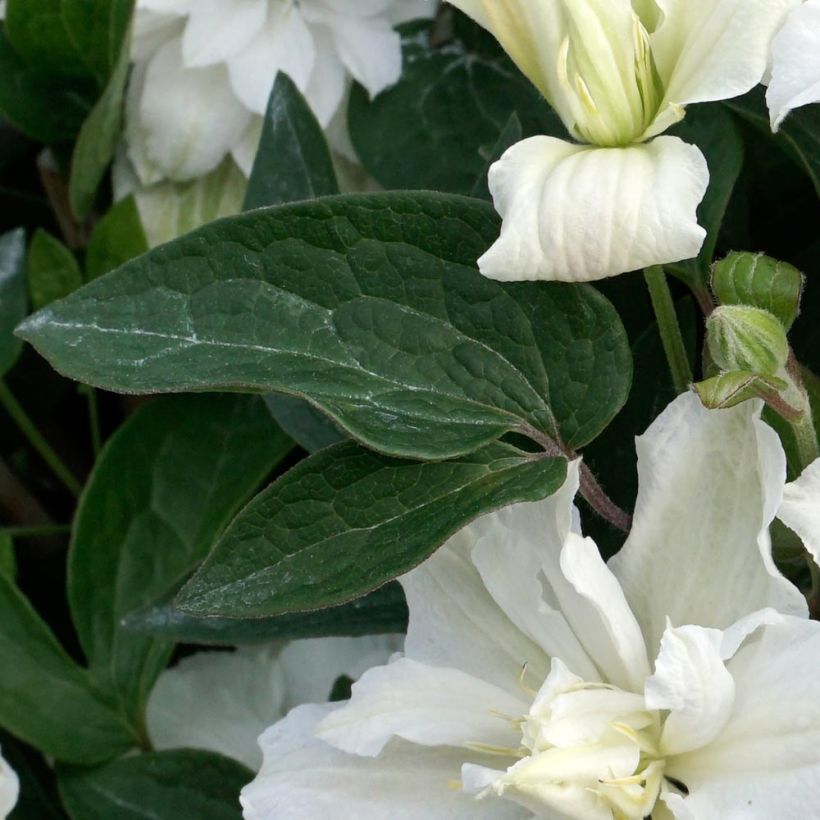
x: 383, y: 611
x: 45, y: 698
x: 368, y: 305
x: 52, y: 270
x: 13, y: 297
x: 180, y: 784
x: 163, y: 489
x: 347, y: 520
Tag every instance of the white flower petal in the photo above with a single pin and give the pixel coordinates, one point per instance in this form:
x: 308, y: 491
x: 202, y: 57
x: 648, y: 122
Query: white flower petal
x: 455, y: 622
x: 401, y: 11
x: 764, y: 764
x: 151, y: 31
x: 284, y: 44
x: 218, y: 701
x: 517, y: 555
x: 9, y: 789
x: 312, y: 666
x: 800, y: 509
x: 244, y: 152
x: 329, y: 82
x: 183, y: 138
x: 217, y: 29
x: 714, y: 49
x: 577, y: 213
x: 304, y: 778
x: 692, y: 682
x: 178, y: 7
x: 427, y: 705
x: 710, y: 483
x: 795, y: 63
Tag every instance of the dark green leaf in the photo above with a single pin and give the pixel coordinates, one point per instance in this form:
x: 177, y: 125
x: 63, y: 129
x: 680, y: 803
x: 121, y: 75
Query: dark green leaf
x: 170, y: 785
x: 309, y: 428
x: 98, y: 140
x: 435, y: 128
x: 117, y: 238
x: 8, y: 559
x: 52, y: 270
x: 38, y: 799
x: 97, y: 30
x: 368, y: 305
x: 13, y: 298
x: 346, y: 520
x: 45, y: 698
x: 163, y: 489
x: 293, y: 161
x: 383, y: 611
x: 510, y: 134
x: 799, y: 135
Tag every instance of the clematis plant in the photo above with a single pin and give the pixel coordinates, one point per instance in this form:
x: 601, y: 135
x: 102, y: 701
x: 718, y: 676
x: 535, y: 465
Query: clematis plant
x: 619, y: 73
x: 540, y: 682
x: 9, y: 789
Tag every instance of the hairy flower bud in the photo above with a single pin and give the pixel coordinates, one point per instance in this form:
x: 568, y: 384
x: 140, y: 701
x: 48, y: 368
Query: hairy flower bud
x: 747, y: 338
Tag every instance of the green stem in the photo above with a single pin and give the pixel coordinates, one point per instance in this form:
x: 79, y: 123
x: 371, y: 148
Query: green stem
x: 36, y: 532
x: 669, y: 328
x: 94, y: 419
x: 26, y: 425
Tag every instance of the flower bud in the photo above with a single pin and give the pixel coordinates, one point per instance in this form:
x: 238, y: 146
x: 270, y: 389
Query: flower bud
x: 747, y: 338
x: 759, y: 281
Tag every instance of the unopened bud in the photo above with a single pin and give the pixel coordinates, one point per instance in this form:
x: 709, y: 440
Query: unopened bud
x: 747, y: 338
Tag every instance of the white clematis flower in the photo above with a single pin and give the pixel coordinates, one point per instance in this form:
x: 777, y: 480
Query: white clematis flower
x: 222, y: 701
x: 619, y: 73
x: 540, y: 682
x: 204, y: 70
x: 9, y: 789
x: 795, y: 79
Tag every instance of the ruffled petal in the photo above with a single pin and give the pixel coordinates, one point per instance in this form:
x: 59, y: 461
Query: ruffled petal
x: 427, y: 705
x: 800, y: 509
x: 765, y: 763
x: 9, y: 788
x: 577, y: 213
x: 714, y: 49
x: 304, y: 778
x: 692, y: 682
x: 710, y: 483
x: 182, y: 137
x: 217, y: 30
x: 283, y: 44
x: 795, y: 63
x: 328, y: 84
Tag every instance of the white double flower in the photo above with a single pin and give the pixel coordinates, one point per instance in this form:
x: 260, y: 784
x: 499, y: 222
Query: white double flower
x: 678, y: 680
x: 619, y: 73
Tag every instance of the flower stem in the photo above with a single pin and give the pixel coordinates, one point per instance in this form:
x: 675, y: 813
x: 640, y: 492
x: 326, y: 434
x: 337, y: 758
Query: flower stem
x: 669, y: 328
x: 93, y: 418
x: 28, y: 428
x: 36, y: 532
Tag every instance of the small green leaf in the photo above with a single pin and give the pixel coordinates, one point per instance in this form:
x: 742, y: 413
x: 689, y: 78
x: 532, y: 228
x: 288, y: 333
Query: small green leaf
x: 45, y: 698
x: 347, y: 520
x: 180, y: 784
x: 98, y: 140
x: 97, y: 29
x: 164, y: 487
x: 370, y: 306
x: 759, y: 281
x: 293, y: 161
x: 428, y: 130
x: 52, y: 270
x: 735, y: 387
x: 13, y: 297
x: 117, y: 238
x: 798, y: 137
x: 383, y: 611
x: 512, y: 133
x: 8, y: 560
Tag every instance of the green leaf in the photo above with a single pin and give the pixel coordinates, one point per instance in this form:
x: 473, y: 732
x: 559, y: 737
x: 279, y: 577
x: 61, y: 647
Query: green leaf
x: 97, y: 29
x: 435, y: 128
x: 309, y: 428
x: 737, y: 386
x: 383, y: 611
x: 98, y: 140
x: 38, y: 799
x: 49, y: 108
x: 346, y: 520
x: 370, y: 306
x: 712, y: 128
x: 512, y: 133
x: 45, y: 698
x: 13, y: 297
x: 117, y: 238
x: 798, y: 137
x: 52, y: 270
x: 164, y: 487
x: 8, y: 559
x: 293, y: 161
x: 171, y: 785
x: 760, y: 281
